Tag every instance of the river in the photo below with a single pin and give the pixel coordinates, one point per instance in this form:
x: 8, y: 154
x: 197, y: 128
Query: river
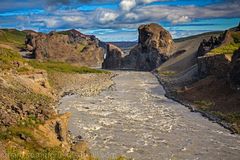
x: 136, y: 120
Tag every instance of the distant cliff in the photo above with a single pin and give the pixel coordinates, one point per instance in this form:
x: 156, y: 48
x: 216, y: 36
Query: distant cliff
x: 153, y: 48
x: 67, y: 46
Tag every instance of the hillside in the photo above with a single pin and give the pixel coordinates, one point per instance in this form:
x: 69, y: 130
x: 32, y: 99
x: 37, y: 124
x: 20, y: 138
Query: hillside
x: 30, y: 126
x: 198, y: 75
x: 12, y: 39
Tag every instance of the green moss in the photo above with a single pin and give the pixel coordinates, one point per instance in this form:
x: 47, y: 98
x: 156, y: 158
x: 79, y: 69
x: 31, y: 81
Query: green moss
x: 168, y: 73
x: 225, y: 49
x: 31, y: 121
x: 204, y: 104
x: 51, y: 66
x: 23, y: 69
x: 236, y: 37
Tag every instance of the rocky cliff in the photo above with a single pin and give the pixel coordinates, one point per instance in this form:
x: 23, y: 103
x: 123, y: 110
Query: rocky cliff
x: 153, y: 48
x: 215, y: 55
x: 67, y: 46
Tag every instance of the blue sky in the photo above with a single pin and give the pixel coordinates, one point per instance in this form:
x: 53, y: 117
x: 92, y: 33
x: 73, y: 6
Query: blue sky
x: 118, y: 20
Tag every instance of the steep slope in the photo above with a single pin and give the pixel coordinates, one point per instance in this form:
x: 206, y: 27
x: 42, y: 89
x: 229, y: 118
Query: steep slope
x: 12, y: 39
x: 185, y: 52
x: 204, y: 75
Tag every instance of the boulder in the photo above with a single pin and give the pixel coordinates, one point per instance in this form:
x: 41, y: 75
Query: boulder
x: 67, y: 46
x: 54, y: 133
x: 153, y: 48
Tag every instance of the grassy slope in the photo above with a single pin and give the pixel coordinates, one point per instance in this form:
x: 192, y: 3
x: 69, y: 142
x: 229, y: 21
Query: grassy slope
x: 229, y: 48
x: 12, y: 37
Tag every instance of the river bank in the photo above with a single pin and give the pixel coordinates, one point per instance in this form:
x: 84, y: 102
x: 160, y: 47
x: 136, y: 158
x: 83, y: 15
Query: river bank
x: 172, y: 94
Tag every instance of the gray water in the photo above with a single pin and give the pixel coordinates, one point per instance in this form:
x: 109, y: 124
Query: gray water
x: 136, y: 120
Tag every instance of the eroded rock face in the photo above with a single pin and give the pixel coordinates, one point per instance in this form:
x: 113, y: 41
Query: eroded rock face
x: 218, y: 65
x: 153, y: 48
x: 68, y: 46
x: 235, y: 70
x: 54, y: 132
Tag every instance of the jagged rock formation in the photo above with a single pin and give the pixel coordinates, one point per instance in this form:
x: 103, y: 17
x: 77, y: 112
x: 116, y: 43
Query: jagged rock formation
x: 153, y: 48
x: 68, y: 46
x: 235, y: 70
x: 206, y: 46
x: 229, y: 36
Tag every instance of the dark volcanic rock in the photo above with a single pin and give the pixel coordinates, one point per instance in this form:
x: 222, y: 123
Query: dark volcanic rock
x: 206, y: 46
x: 218, y: 65
x: 235, y: 70
x: 68, y: 46
x: 153, y: 48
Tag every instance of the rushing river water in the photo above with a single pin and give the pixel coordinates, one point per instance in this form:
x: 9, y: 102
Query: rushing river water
x: 136, y: 120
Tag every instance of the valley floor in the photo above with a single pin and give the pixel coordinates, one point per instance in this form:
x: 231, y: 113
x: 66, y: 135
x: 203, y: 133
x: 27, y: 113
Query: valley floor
x: 135, y: 119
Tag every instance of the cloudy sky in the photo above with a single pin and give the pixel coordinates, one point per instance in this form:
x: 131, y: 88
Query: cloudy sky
x: 117, y: 20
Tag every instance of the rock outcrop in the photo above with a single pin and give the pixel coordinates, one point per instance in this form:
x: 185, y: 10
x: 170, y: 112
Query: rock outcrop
x: 153, y: 48
x: 215, y: 55
x: 68, y: 46
x: 218, y: 65
x: 113, y: 57
x: 206, y: 46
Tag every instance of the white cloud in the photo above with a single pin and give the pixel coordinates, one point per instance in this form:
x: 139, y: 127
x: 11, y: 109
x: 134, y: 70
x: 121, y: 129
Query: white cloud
x: 73, y: 18
x: 106, y: 16
x: 178, y: 19
x: 127, y: 5
x: 131, y: 16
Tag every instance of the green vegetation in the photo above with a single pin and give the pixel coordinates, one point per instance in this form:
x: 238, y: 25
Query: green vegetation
x: 225, y: 49
x: 204, y: 104
x: 52, y: 66
x: 47, y: 154
x: 232, y: 118
x: 8, y: 58
x: 31, y: 121
x: 81, y: 47
x: 236, y: 37
x: 12, y: 36
x: 23, y: 69
x: 168, y: 73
